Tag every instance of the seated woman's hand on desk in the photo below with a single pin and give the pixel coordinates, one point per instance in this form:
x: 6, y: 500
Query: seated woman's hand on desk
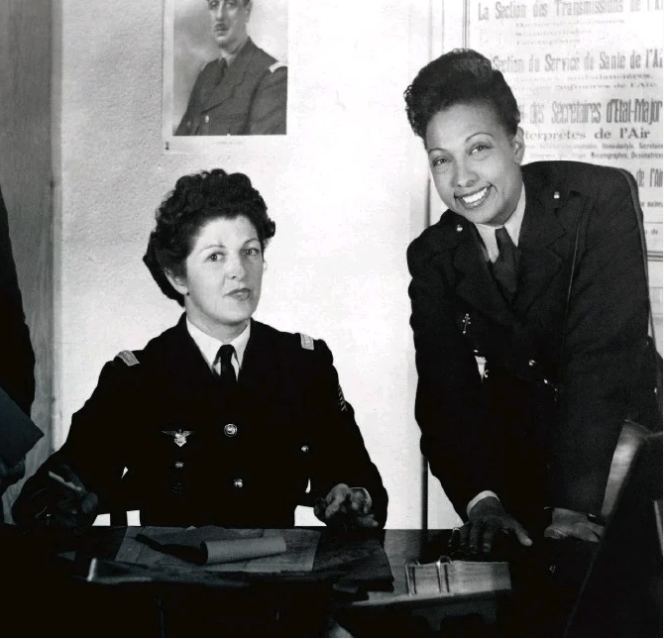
x: 62, y: 500
x: 486, y: 519
x: 570, y: 523
x: 346, y: 506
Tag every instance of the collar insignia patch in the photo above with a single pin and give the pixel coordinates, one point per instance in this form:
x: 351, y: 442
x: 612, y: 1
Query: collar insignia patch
x: 128, y: 358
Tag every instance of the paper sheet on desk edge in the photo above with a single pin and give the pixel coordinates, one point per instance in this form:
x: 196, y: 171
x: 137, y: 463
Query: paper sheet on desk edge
x: 301, y: 550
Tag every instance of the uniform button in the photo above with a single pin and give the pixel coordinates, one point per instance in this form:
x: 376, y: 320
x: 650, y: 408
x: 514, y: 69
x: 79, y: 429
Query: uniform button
x: 230, y: 430
x: 238, y: 483
x: 206, y: 118
x: 556, y: 195
x: 486, y: 374
x: 179, y: 464
x: 546, y: 381
x: 305, y: 449
x: 531, y: 362
x: 459, y: 228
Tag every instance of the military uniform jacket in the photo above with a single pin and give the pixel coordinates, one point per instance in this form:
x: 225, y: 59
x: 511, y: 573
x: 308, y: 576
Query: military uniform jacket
x: 194, y: 457
x: 250, y: 99
x: 540, y: 427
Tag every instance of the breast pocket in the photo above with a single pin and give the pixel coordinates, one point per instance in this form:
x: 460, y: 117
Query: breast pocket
x: 165, y: 462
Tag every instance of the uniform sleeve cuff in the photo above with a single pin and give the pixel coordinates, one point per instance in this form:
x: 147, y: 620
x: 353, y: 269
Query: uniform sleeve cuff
x: 479, y: 497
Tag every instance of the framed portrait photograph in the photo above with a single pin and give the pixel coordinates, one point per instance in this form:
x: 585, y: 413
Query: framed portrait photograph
x: 225, y: 71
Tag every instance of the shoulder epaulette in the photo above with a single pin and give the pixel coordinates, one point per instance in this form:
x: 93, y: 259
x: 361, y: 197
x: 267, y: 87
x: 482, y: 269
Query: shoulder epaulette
x: 307, y: 342
x: 128, y: 358
x: 277, y: 65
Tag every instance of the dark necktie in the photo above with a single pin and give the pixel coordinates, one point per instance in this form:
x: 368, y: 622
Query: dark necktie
x: 218, y: 71
x: 227, y: 377
x: 505, y: 267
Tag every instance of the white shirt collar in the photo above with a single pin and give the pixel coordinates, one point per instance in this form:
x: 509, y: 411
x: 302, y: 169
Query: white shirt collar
x: 209, y: 346
x: 512, y: 226
x: 230, y: 57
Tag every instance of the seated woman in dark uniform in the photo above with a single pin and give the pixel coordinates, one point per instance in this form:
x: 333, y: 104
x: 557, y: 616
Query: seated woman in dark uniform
x: 527, y: 444
x: 220, y: 419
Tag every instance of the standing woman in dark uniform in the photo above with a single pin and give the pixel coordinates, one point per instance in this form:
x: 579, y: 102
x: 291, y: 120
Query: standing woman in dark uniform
x: 526, y: 443
x: 220, y: 419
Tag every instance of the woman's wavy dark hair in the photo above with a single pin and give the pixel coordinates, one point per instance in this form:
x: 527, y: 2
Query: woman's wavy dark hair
x: 196, y: 200
x: 461, y: 76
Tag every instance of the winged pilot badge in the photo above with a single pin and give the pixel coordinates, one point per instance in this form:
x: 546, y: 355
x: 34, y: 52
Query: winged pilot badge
x: 179, y: 436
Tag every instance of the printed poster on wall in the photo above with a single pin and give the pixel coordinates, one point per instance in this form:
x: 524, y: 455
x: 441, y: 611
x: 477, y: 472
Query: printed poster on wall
x: 588, y: 79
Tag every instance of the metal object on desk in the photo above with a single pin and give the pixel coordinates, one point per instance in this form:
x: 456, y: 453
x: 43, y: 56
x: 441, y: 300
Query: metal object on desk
x: 427, y: 579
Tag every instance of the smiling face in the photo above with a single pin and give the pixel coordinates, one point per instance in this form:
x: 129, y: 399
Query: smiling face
x: 475, y: 163
x: 223, y: 275
x: 229, y: 22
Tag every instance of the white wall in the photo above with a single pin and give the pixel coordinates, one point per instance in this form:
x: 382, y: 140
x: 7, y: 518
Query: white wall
x: 338, y: 187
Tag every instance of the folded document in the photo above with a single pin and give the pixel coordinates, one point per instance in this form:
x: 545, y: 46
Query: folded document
x: 202, y: 546
x: 222, y: 549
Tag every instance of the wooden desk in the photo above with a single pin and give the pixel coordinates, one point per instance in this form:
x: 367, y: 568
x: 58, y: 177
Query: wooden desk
x: 62, y: 598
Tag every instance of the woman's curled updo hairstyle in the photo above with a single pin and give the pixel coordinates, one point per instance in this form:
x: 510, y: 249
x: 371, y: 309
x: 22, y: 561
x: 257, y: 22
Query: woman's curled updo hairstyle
x: 196, y: 200
x: 461, y: 76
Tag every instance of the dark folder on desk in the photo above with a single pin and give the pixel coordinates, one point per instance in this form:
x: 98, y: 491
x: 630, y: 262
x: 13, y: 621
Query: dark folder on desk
x: 18, y: 434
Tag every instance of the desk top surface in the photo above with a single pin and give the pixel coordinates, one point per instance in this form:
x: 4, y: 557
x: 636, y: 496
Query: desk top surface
x: 533, y: 570
x: 400, y: 545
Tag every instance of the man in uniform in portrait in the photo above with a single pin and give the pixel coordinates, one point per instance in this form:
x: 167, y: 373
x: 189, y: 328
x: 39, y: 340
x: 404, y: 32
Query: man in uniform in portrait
x: 244, y: 91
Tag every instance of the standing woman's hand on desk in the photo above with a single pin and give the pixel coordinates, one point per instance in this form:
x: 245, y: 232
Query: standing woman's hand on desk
x: 486, y: 519
x: 62, y: 500
x: 570, y: 523
x: 346, y: 507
